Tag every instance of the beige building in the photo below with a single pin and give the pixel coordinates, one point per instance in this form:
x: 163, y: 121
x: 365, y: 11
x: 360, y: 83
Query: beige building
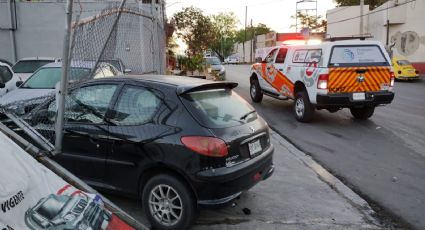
x: 406, y: 35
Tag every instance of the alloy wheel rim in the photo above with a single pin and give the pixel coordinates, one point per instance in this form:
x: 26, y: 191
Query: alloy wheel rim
x: 299, y: 107
x: 165, y: 205
x: 253, y: 91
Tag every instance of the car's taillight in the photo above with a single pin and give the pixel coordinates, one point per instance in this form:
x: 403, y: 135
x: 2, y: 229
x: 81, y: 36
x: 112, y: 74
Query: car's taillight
x: 392, y: 79
x: 322, y: 83
x: 207, y: 146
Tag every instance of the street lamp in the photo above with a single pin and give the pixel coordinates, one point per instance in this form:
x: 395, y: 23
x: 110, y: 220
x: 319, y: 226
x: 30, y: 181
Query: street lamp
x: 305, y: 9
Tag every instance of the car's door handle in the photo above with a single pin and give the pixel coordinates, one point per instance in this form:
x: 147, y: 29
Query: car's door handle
x: 280, y: 69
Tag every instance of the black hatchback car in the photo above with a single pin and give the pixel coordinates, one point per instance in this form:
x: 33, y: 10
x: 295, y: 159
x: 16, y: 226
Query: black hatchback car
x: 177, y: 143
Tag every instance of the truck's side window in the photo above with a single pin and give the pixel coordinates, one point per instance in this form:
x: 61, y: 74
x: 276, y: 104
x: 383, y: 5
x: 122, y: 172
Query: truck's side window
x: 280, y: 58
x: 270, y: 57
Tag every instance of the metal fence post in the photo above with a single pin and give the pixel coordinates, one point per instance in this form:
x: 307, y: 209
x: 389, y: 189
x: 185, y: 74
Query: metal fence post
x: 64, y: 80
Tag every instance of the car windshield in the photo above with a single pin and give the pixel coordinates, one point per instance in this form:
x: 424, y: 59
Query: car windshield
x: 29, y: 66
x: 403, y: 62
x: 213, y: 61
x: 219, y: 108
x: 46, y: 78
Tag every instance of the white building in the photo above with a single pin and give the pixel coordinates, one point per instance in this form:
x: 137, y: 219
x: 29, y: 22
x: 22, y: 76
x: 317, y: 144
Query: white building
x: 406, y: 27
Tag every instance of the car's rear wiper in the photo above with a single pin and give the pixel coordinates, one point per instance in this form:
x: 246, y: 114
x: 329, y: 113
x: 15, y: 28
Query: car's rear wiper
x: 247, y: 114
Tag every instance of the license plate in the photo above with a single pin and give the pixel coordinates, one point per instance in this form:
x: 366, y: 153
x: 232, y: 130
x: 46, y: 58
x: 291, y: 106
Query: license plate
x: 358, y: 96
x: 254, y: 147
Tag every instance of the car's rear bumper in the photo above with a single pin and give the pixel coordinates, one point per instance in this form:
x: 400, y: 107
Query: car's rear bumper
x: 346, y: 99
x: 407, y: 77
x: 222, y: 185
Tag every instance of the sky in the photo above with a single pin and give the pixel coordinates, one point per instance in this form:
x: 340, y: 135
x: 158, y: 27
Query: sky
x: 276, y: 14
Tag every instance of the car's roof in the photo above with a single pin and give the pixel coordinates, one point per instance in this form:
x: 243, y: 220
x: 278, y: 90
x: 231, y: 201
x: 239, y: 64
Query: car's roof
x: 75, y: 64
x: 39, y: 59
x: 182, y: 84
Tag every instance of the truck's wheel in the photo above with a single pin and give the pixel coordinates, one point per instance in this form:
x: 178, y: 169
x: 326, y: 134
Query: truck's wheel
x: 362, y: 113
x: 303, y: 109
x: 168, y: 203
x: 255, y: 91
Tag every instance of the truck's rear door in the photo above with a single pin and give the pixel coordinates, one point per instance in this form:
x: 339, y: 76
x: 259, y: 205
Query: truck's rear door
x: 358, y: 68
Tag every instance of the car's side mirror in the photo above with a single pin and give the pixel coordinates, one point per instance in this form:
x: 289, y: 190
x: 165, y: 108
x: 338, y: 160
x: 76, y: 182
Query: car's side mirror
x: 2, y: 85
x: 19, y: 83
x: 258, y: 60
x: 127, y: 70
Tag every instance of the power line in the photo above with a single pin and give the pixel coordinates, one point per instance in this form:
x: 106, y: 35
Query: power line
x: 373, y: 12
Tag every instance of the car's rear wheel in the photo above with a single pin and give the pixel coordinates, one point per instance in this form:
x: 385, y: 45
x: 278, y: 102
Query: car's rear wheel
x: 362, y: 113
x: 168, y: 203
x: 255, y: 91
x: 303, y: 109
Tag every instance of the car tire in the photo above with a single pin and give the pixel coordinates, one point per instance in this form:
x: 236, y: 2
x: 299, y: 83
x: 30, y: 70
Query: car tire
x: 255, y: 91
x: 362, y: 113
x: 303, y: 109
x: 173, y: 208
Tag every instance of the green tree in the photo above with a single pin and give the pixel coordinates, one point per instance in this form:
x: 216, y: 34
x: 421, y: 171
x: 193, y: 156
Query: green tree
x: 251, y: 31
x: 372, y: 3
x: 224, y: 28
x: 316, y: 24
x: 194, y: 29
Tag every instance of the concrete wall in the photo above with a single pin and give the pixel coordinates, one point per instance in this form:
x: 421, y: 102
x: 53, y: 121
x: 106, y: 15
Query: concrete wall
x: 41, y: 27
x: 238, y: 50
x: 339, y: 26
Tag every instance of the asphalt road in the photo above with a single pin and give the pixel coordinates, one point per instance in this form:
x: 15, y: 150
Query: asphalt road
x: 383, y: 158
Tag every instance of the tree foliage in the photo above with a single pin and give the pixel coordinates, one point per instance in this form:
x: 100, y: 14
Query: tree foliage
x: 372, y: 3
x: 224, y: 28
x: 251, y: 31
x: 316, y: 24
x: 194, y: 29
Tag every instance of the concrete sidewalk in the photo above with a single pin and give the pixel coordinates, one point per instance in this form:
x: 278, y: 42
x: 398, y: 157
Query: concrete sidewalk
x: 300, y: 195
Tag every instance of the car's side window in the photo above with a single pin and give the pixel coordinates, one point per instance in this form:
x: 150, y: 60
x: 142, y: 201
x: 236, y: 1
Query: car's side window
x: 135, y: 106
x: 270, y: 57
x: 280, y: 58
x: 5, y: 74
x: 88, y: 104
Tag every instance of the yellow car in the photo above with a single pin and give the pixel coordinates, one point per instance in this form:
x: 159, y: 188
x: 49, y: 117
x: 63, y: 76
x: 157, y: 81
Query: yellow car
x: 403, y: 70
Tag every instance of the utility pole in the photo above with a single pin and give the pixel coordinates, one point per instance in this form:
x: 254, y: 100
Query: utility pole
x: 252, y: 44
x: 64, y: 80
x: 361, y: 16
x: 243, y: 44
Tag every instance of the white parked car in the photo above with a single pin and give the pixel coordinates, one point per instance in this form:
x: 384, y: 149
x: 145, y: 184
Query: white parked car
x: 7, y: 79
x: 231, y: 60
x: 27, y: 66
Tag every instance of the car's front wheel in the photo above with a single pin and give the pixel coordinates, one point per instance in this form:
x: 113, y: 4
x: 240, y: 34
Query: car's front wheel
x: 168, y: 203
x: 255, y: 91
x: 303, y: 109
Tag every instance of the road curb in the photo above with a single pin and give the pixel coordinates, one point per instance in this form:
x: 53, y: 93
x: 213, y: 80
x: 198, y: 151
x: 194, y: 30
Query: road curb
x: 359, y: 203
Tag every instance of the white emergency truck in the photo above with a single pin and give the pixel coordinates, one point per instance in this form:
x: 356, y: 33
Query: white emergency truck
x: 354, y: 74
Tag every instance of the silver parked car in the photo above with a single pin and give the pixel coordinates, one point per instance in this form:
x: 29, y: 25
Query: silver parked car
x: 44, y: 81
x: 217, y: 67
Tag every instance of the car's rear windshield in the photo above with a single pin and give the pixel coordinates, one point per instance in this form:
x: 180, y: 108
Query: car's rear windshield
x: 357, y: 55
x: 219, y: 108
x: 29, y: 66
x: 46, y: 78
x: 213, y: 61
x: 403, y: 62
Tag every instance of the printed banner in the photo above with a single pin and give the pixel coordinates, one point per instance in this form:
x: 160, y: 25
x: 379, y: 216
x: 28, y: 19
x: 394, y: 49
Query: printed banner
x: 33, y: 197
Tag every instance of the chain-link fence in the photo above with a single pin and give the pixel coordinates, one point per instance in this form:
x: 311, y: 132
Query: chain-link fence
x: 125, y: 39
